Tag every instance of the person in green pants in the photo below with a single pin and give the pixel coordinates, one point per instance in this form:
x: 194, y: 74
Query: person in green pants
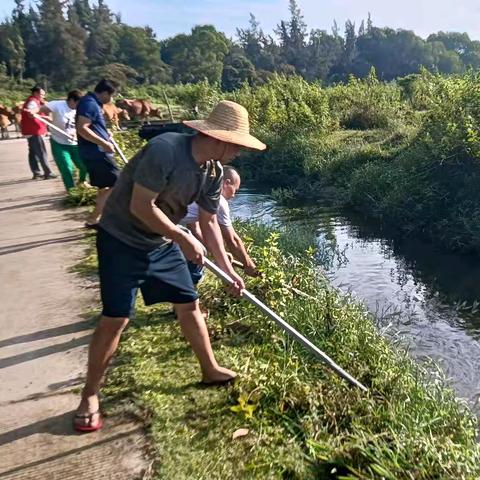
x: 64, y: 149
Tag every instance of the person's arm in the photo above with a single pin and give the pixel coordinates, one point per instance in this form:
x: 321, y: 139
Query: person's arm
x: 195, y: 229
x: 43, y: 109
x: 143, y: 207
x: 214, y: 243
x: 30, y: 107
x: 84, y: 131
x: 237, y: 248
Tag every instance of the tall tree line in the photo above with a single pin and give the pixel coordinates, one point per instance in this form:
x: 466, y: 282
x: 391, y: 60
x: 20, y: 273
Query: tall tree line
x: 73, y: 42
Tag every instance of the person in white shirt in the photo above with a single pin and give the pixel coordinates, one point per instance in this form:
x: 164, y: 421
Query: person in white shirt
x: 65, y: 148
x: 233, y: 242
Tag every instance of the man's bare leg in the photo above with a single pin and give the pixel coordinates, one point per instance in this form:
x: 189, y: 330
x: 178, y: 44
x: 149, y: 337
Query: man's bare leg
x: 102, y: 196
x: 195, y: 330
x: 102, y: 347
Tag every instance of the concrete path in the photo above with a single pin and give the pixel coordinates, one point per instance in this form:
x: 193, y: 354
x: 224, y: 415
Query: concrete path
x: 44, y: 338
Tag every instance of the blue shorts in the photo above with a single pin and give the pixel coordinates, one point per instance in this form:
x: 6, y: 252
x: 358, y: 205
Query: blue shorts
x: 161, y: 274
x: 101, y: 167
x: 196, y: 272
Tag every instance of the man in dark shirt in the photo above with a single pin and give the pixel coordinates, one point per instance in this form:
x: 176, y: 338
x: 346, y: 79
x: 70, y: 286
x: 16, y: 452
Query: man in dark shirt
x: 140, y: 246
x: 95, y: 146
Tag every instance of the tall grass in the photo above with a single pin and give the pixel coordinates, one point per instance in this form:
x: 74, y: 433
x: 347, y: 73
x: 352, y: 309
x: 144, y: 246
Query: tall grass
x: 302, y: 421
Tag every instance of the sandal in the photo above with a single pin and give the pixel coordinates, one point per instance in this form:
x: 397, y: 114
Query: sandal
x: 217, y: 383
x: 89, y: 427
x: 93, y: 226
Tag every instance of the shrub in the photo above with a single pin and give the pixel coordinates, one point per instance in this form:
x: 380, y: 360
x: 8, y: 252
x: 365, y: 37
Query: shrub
x: 283, y: 105
x: 364, y: 104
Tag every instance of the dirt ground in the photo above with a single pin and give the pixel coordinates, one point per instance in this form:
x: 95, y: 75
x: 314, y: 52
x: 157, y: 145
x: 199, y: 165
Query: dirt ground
x: 44, y: 336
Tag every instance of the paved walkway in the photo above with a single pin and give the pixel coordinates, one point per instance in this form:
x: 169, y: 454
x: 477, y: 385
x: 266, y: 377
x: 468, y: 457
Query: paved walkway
x: 44, y: 338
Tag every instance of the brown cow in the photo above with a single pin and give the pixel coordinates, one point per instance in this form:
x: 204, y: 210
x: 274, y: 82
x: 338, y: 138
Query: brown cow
x: 5, y: 113
x: 16, y: 115
x: 137, y: 108
x: 156, y: 112
x: 113, y: 114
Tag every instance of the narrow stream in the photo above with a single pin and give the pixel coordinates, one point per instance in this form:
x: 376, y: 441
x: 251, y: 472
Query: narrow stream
x: 426, y: 298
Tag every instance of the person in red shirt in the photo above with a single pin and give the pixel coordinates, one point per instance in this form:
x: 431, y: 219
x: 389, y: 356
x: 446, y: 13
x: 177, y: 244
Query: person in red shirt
x: 35, y: 130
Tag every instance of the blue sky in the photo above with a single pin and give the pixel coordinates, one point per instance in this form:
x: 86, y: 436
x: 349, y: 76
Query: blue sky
x: 168, y: 17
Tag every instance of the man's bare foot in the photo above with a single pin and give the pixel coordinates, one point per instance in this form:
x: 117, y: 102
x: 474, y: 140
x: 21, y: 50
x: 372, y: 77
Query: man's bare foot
x: 218, y: 376
x: 87, y: 416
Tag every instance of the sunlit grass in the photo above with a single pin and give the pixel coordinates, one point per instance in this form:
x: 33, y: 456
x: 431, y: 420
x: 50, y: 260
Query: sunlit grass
x: 302, y: 420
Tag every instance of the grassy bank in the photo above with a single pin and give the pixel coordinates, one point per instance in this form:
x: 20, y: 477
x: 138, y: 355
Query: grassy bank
x: 302, y: 421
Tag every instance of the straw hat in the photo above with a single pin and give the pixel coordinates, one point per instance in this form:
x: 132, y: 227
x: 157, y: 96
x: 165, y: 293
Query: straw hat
x: 228, y: 122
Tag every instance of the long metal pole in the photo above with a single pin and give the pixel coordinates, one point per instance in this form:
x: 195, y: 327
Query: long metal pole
x: 286, y: 327
x: 119, y: 151
x: 54, y: 127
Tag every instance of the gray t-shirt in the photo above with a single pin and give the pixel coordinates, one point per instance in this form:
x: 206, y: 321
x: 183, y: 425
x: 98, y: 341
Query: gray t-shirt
x: 165, y: 165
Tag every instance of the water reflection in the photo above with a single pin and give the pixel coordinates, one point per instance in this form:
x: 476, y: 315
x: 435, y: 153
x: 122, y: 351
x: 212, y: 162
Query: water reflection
x: 427, y: 298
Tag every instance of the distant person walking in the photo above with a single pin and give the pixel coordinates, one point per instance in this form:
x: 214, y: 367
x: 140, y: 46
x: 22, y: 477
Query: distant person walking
x: 35, y: 130
x: 64, y: 149
x: 95, y: 146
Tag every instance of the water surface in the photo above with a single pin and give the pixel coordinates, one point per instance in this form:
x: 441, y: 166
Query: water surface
x: 426, y: 298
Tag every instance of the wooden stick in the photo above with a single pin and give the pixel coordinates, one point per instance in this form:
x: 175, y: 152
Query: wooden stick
x: 168, y: 106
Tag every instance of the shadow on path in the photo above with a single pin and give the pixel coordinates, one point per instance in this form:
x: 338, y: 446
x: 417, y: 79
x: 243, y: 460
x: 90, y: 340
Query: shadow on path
x: 16, y: 182
x: 59, y: 425
x: 45, y: 202
x: 49, y: 332
x: 39, y: 243
x: 43, y: 352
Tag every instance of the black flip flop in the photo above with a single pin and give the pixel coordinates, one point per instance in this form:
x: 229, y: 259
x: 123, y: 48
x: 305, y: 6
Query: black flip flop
x: 217, y: 383
x: 93, y: 226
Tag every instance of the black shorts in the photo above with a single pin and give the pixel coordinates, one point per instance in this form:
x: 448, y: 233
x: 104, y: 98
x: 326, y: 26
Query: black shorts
x: 102, y: 169
x: 161, y: 274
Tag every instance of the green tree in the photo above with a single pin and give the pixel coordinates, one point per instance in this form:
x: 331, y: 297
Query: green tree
x: 102, y: 43
x: 258, y: 47
x: 62, y: 46
x: 12, y: 50
x: 25, y: 24
x: 237, y: 69
x: 324, y: 51
x: 292, y: 36
x: 83, y: 12
x: 466, y: 49
x: 122, y: 74
x: 139, y: 49
x: 198, y: 56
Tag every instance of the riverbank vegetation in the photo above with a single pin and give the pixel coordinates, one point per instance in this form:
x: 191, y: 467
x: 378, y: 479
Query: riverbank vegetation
x: 405, y: 153
x: 287, y: 416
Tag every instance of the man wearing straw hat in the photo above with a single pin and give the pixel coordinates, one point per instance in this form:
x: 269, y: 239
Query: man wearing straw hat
x: 139, y: 244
